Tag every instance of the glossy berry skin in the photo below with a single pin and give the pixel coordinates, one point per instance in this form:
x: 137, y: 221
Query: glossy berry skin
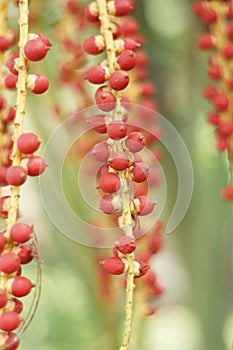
x: 100, y: 152
x: 105, y: 99
x: 35, y: 50
x: 9, y: 320
x: 16, y: 175
x: 25, y: 254
x: 91, y: 13
x: 221, y: 102
x: 125, y: 244
x: 10, y: 81
x: 12, y: 341
x: 45, y: 39
x: 28, y: 143
x: 108, y: 204
x: 97, y: 123
x: 119, y: 161
x: 119, y: 7
x: 3, y: 298
x: 37, y: 83
x: 227, y: 52
x: 214, y: 72
x: 109, y: 182
x: 114, y: 266
x: 36, y: 166
x: 145, y: 205
x: 94, y: 45
x: 140, y: 172
x: 21, y: 232
x: 209, y: 16
x: 96, y: 75
x: 9, y: 263
x: 205, y: 42
x: 117, y: 129
x: 119, y: 80
x: 135, y: 141
x: 127, y: 60
x: 19, y: 286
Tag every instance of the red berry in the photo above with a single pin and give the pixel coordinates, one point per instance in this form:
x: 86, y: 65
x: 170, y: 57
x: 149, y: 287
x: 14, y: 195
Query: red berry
x: 198, y: 7
x: 229, y: 30
x: 94, y: 45
x: 127, y: 60
x: 129, y: 26
x: 91, y: 12
x: 96, y: 75
x: 205, y: 42
x: 213, y: 118
x: 3, y: 241
x: 35, y: 50
x: 25, y: 254
x: 16, y: 175
x: 113, y: 265
x: 3, y: 298
x: 36, y: 166
x: 18, y: 305
x: 140, y: 172
x: 117, y: 129
x: 144, y: 205
x: 230, y: 83
x: 4, y: 43
x: 37, y: 83
x: 28, y: 143
x: 10, y: 81
x: 105, y: 99
x: 9, y: 263
x: 4, y: 206
x: 125, y: 244
x: 19, y: 286
x: 9, y: 320
x: 2, y: 102
x: 222, y: 144
x: 210, y: 92
x: 109, y: 204
x: 100, y: 152
x: 119, y: 161
x: 155, y: 243
x: 109, y: 182
x: 97, y: 122
x: 142, y: 269
x: 147, y: 89
x: 119, y: 80
x: 45, y: 39
x: 73, y: 7
x: 227, y: 193
x: 208, y: 15
x: 11, y: 63
x: 21, y: 232
x: 3, y: 171
x: 214, y: 72
x: 225, y: 128
x: 227, y: 52
x: 135, y: 141
x: 221, y: 102
x: 119, y: 7
x: 125, y: 44
x: 12, y: 341
x: 11, y: 114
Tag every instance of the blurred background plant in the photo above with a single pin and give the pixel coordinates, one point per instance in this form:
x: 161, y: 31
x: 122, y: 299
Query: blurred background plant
x: 195, y: 264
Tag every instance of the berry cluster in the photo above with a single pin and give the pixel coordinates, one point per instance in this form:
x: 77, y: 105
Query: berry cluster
x: 218, y: 17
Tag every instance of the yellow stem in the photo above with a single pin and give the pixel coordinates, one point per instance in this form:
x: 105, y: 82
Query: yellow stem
x: 126, y: 218
x: 20, y: 109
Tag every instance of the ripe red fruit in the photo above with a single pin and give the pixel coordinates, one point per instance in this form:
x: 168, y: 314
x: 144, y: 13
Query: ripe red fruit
x: 9, y: 320
x: 37, y: 83
x: 208, y: 15
x: 91, y: 12
x: 25, y: 254
x: 9, y: 263
x: 109, y: 182
x: 117, y: 129
x: 4, y: 43
x: 94, y: 45
x: 21, y: 232
x: 227, y: 193
x: 213, y: 118
x: 147, y: 89
x: 110, y: 204
x: 205, y: 42
x: 12, y: 341
x: 113, y: 265
x: 11, y: 63
x: 35, y: 50
x: 4, y: 206
x: 97, y: 122
x: 225, y: 128
x: 229, y: 30
x: 28, y: 143
x: 140, y: 172
x: 127, y: 60
x: 10, y: 81
x: 2, y: 102
x: 3, y: 241
x: 119, y: 7
x: 144, y: 205
x: 125, y: 244
x: 36, y: 166
x: 214, y: 72
x: 198, y: 7
x: 210, y: 92
x: 119, y: 80
x: 129, y: 26
x: 19, y: 286
x: 125, y: 44
x: 100, y: 152
x: 155, y: 243
x: 105, y: 99
x: 3, y: 298
x: 221, y: 102
x: 45, y: 39
x: 119, y: 161
x: 222, y: 143
x: 96, y: 75
x: 227, y: 52
x: 142, y: 269
x: 3, y: 170
x: 16, y: 175
x: 135, y: 141
x: 18, y: 305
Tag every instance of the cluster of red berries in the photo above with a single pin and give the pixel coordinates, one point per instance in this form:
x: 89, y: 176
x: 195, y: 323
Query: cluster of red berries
x: 35, y: 50
x: 220, y: 71
x: 15, y: 252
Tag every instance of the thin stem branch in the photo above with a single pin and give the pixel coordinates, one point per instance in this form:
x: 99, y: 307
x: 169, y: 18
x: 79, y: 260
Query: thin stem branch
x: 20, y: 109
